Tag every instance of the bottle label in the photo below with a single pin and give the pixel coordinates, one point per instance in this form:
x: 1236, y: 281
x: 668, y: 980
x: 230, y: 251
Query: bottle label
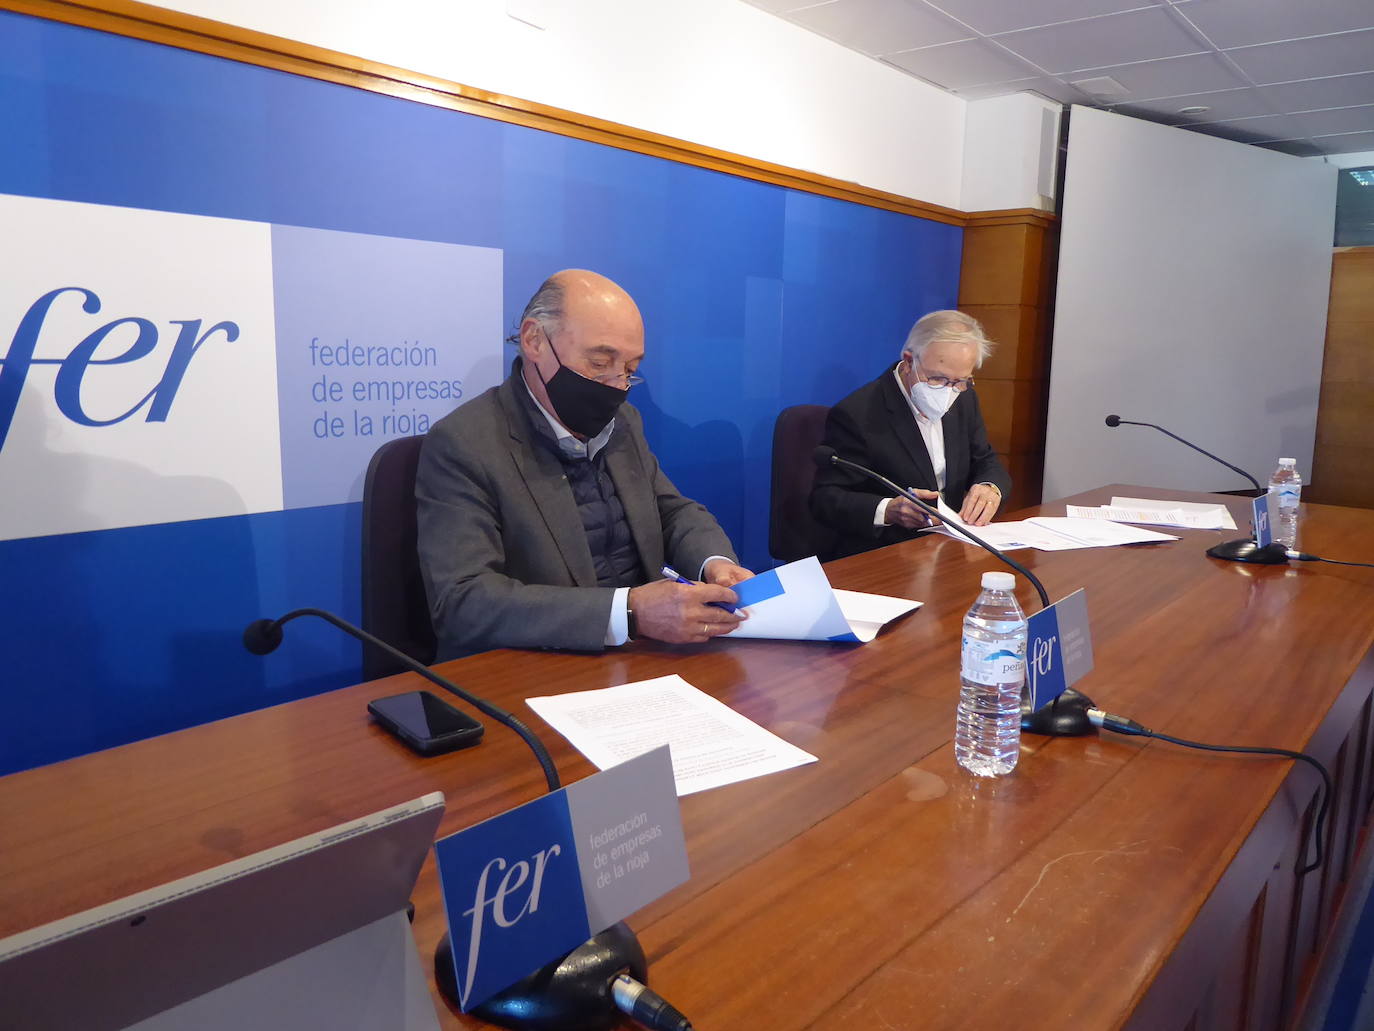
x: 1289, y: 497
x: 992, y: 662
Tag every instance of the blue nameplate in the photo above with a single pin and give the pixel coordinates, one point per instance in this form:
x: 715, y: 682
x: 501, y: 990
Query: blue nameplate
x: 1259, y: 518
x: 1059, y: 649
x: 533, y: 883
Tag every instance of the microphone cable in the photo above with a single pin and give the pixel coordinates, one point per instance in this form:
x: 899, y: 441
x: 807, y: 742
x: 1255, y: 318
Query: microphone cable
x: 1130, y: 728
x: 1303, y: 556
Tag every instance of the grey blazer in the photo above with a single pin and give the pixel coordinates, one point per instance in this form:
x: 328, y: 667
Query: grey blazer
x: 504, y: 556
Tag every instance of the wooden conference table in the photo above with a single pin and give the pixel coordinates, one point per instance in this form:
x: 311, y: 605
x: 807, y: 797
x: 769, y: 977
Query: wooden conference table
x: 1109, y: 882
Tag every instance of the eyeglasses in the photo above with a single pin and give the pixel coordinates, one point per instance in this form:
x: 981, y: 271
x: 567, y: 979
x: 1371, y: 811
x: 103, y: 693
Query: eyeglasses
x: 622, y: 380
x: 944, y: 381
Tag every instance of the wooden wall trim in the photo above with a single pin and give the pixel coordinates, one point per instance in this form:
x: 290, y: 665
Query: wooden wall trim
x: 202, y: 35
x: 1005, y: 217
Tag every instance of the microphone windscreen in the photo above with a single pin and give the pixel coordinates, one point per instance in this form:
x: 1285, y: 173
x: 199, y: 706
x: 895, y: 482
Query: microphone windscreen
x: 1113, y: 420
x: 262, y: 636
x: 823, y: 455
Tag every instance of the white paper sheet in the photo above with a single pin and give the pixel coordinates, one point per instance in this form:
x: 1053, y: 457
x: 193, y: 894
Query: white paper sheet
x: 795, y: 602
x: 866, y: 614
x: 1099, y: 533
x: 711, y: 743
x: 1208, y: 511
x: 1148, y: 516
x: 1049, y: 533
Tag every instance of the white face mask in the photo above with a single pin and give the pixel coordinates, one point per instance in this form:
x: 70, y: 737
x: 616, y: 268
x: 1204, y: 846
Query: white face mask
x: 932, y: 402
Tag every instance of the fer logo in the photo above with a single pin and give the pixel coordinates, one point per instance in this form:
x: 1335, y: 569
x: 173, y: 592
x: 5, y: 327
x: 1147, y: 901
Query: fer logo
x: 72, y: 369
x: 138, y: 372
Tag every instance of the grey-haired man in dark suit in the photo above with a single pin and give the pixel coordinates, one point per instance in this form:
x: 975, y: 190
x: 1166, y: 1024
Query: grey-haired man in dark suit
x: 544, y: 518
x: 918, y: 424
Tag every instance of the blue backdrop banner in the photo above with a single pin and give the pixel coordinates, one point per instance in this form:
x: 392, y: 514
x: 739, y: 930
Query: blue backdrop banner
x: 141, y: 541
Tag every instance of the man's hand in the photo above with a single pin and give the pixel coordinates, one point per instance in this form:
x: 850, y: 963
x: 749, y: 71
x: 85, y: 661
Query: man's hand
x: 725, y: 574
x: 980, y: 504
x: 901, y: 512
x: 679, y: 614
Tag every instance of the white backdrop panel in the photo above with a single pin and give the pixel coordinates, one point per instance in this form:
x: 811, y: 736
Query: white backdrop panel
x: 1193, y: 282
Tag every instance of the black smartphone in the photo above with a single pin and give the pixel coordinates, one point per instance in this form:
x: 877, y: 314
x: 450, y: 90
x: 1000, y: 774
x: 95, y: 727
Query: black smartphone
x: 425, y: 722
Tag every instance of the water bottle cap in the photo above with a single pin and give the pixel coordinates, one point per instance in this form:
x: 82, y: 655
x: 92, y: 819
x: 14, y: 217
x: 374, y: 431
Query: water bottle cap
x: 1288, y: 461
x: 998, y: 581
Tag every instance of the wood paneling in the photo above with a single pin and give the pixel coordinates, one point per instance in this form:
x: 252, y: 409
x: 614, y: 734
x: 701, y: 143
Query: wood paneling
x: 1007, y: 282
x: 1352, y: 272
x: 1344, y: 452
x: 1014, y: 410
x: 1022, y: 340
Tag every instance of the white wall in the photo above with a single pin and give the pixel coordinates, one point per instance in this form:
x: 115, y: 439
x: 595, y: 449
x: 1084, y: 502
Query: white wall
x: 1193, y: 282
x: 715, y: 72
x: 1011, y: 148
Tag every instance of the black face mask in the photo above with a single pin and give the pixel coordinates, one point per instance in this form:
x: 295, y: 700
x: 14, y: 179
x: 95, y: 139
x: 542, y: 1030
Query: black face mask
x: 583, y: 405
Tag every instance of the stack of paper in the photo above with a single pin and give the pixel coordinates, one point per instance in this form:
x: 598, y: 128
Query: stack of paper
x: 1049, y: 533
x: 1191, y: 515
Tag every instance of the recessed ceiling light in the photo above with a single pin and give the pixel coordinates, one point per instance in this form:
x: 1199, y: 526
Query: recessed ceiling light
x: 1103, y: 86
x: 1196, y: 109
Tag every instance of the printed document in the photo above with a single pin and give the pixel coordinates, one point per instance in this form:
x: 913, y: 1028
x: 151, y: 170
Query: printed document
x: 1211, y: 516
x: 1051, y: 533
x: 711, y: 743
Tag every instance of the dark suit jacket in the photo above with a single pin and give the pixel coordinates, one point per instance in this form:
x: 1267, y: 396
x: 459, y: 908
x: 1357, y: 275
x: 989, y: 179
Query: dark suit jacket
x: 504, y: 556
x: 874, y: 427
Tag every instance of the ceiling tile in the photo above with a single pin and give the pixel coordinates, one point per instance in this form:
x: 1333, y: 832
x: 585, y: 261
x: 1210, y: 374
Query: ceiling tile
x: 1346, y: 119
x: 1308, y: 58
x: 956, y: 65
x: 1236, y: 103
x: 879, y: 26
x: 1238, y: 23
x: 1298, y: 148
x: 989, y: 16
x: 1254, y: 130
x: 1110, y: 40
x: 1346, y: 143
x: 1314, y: 94
x: 1173, y: 76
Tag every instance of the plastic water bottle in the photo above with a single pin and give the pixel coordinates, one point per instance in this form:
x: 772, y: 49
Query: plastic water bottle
x: 1285, y: 488
x: 987, y: 732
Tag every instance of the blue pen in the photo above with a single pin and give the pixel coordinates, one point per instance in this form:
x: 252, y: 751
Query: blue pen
x: 673, y: 574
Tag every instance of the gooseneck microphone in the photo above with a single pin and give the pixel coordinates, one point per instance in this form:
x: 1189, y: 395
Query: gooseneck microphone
x: 588, y: 987
x: 262, y: 637
x: 1242, y: 550
x: 825, y: 456
x: 1116, y: 420
x: 1067, y: 715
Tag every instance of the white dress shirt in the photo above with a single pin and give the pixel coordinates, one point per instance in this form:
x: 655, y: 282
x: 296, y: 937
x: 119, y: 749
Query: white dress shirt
x: 932, y: 432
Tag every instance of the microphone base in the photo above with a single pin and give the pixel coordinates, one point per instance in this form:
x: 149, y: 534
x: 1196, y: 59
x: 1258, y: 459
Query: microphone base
x: 1066, y: 716
x: 1246, y: 550
x: 571, y: 993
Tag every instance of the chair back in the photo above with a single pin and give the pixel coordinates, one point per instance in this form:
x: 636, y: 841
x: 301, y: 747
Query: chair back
x: 394, y: 604
x: 792, y: 532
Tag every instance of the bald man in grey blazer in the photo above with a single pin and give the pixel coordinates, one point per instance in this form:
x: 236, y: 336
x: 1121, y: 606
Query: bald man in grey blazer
x: 544, y: 518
